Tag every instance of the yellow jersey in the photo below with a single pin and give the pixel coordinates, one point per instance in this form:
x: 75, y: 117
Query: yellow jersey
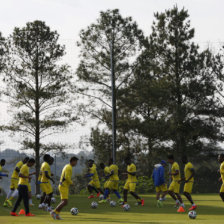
x: 0, y: 168
x: 24, y: 171
x: 114, y: 168
x: 188, y: 172
x: 66, y: 176
x: 45, y: 168
x: 93, y: 171
x: 222, y: 171
x: 106, y: 170
x: 131, y: 169
x: 174, y: 168
x: 15, y: 174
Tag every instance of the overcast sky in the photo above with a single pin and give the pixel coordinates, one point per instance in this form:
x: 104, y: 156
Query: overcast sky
x: 68, y: 17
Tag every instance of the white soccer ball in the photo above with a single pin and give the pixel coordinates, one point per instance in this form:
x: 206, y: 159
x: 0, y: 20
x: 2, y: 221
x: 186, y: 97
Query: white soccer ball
x: 74, y: 211
x: 113, y: 203
x: 38, y: 196
x: 101, y: 197
x: 126, y: 207
x: 53, y: 200
x: 40, y: 206
x: 94, y: 204
x: 192, y: 214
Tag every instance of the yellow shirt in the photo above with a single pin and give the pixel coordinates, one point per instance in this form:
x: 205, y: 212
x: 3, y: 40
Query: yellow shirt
x: 132, y: 169
x: 114, y: 168
x: 188, y: 172
x: 0, y: 168
x: 93, y: 171
x: 66, y: 176
x: 45, y: 168
x: 222, y: 171
x: 174, y: 168
x: 15, y: 174
x: 24, y: 171
x: 106, y: 170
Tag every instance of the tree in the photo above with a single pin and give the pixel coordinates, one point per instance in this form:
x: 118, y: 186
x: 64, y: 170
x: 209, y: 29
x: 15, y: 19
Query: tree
x: 38, y: 87
x: 112, y: 43
x: 2, y: 52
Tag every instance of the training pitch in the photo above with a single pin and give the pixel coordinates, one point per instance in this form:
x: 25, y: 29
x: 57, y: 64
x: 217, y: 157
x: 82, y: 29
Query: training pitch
x: 210, y: 210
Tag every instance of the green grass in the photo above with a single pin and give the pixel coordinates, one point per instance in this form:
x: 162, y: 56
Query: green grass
x: 210, y: 210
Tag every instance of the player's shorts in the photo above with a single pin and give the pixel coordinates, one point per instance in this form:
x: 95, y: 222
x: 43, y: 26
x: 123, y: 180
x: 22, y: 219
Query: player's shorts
x: 94, y: 183
x: 47, y: 188
x: 175, y: 187
x: 112, y: 184
x: 14, y: 183
x: 130, y: 186
x: 188, y: 187
x: 42, y: 187
x: 63, y: 192
x: 222, y: 188
x: 162, y: 188
x: 29, y: 187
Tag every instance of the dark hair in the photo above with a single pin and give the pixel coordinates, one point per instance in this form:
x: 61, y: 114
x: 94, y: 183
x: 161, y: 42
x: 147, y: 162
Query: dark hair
x: 91, y: 160
x: 73, y: 159
x: 221, y: 155
x: 46, y: 157
x: 170, y: 157
x: 31, y: 160
x: 52, y: 158
x: 26, y: 158
x: 3, y: 160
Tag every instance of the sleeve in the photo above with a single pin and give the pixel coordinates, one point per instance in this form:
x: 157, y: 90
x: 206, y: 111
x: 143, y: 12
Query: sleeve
x: 222, y: 169
x: 68, y: 176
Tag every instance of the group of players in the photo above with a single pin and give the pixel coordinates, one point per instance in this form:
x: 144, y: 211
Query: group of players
x: 20, y: 183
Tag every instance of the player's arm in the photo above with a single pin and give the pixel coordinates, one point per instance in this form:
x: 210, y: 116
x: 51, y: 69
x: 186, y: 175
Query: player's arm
x: 68, y: 177
x: 48, y: 177
x: 192, y: 174
x: 175, y: 173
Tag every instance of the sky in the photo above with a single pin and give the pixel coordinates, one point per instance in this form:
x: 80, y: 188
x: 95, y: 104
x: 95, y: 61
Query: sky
x: 68, y: 17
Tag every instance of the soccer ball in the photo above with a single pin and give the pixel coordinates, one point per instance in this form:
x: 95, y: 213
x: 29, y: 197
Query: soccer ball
x: 126, y: 207
x: 101, y: 197
x: 74, y: 211
x: 113, y: 203
x: 94, y: 204
x: 40, y: 206
x: 38, y: 196
x: 192, y: 214
x: 53, y: 200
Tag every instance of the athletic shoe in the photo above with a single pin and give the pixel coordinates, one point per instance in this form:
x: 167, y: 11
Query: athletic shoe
x: 193, y: 207
x: 58, y: 217
x: 30, y: 214
x: 5, y: 204
x: 22, y: 212
x: 102, y: 201
x: 142, y: 202
x: 9, y: 203
x: 181, y: 209
x: 53, y: 214
x: 91, y: 196
x: 13, y: 214
x: 121, y: 201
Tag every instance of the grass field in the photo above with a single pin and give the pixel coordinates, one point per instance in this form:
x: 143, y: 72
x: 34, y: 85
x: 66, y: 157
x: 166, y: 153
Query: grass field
x: 210, y: 210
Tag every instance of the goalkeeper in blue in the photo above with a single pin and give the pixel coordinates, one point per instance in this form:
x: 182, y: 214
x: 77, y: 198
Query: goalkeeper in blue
x: 158, y: 177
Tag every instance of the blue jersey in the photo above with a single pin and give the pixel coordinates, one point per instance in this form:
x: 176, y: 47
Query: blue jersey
x: 158, y: 175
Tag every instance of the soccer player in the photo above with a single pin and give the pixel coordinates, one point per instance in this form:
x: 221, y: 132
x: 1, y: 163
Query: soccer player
x: 112, y: 183
x: 159, y: 182
x: 13, y: 192
x: 174, y: 188
x: 130, y: 183
x: 188, y: 180
x: 2, y: 163
x: 65, y: 182
x: 45, y: 180
x: 94, y: 184
x: 106, y: 172
x: 221, y: 161
x: 24, y: 177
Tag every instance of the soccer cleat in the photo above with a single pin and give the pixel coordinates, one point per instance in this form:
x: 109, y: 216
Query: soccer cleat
x: 142, y: 202
x: 22, y: 212
x: 98, y: 194
x: 193, y: 207
x: 181, y: 209
x: 9, y: 203
x: 121, y: 201
x: 5, y: 204
x: 30, y: 214
x: 102, y: 201
x: 58, y: 217
x: 91, y: 196
x: 13, y: 214
x: 53, y: 214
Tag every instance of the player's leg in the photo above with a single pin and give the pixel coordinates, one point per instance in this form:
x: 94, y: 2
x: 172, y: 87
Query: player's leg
x: 18, y: 201
x: 25, y: 196
x: 108, y: 187
x: 132, y: 191
x: 221, y: 193
x: 172, y: 194
x: 125, y: 192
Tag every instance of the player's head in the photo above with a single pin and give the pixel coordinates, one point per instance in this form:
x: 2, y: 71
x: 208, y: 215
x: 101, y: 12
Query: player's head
x: 128, y: 160
x: 46, y: 158
x: 221, y: 157
x: 73, y: 161
x: 51, y: 160
x: 184, y: 159
x: 163, y: 163
x: 110, y: 161
x: 90, y: 162
x: 2, y: 162
x: 30, y: 162
x: 170, y: 158
x: 102, y: 165
x: 25, y: 160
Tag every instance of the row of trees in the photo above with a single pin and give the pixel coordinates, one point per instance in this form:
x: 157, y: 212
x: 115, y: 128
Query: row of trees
x: 168, y: 91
